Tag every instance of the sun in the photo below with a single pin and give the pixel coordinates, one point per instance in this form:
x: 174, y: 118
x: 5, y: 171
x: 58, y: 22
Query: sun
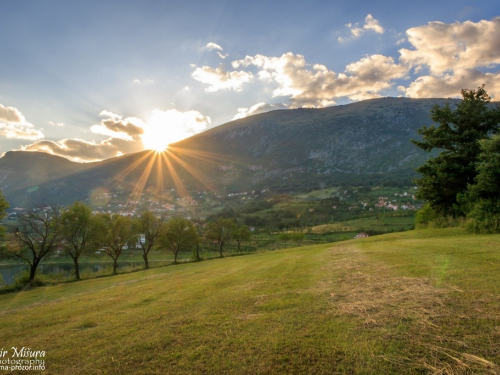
x: 161, y: 130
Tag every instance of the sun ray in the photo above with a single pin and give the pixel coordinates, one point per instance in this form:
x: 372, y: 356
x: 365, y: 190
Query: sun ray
x: 179, y: 186
x: 141, y: 182
x: 196, y: 174
x: 133, y: 166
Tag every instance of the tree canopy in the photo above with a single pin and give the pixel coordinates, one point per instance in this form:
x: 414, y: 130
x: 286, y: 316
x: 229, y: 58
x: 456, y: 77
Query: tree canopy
x: 220, y: 232
x: 179, y: 235
x: 82, y: 232
x: 456, y: 134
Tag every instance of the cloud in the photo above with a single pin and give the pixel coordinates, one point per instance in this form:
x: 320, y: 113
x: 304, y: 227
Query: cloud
x: 316, y: 86
x: 146, y: 81
x: 13, y: 125
x: 173, y: 126
x: 450, y: 85
x: 51, y: 123
x: 258, y: 108
x: 117, y: 127
x: 222, y: 56
x: 212, y: 46
x: 219, y: 79
x: 454, y: 55
x: 85, y: 151
x: 371, y: 24
x: 20, y: 131
x: 10, y: 114
x: 447, y: 47
x: 126, y: 135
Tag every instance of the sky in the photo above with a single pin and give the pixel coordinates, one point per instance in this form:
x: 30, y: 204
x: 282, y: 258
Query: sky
x: 91, y: 80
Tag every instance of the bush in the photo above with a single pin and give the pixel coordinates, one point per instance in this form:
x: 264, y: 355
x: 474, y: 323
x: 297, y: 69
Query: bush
x: 428, y: 217
x: 484, y: 217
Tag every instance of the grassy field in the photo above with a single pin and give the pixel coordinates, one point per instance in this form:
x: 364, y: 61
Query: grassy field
x: 404, y: 303
x: 383, y: 224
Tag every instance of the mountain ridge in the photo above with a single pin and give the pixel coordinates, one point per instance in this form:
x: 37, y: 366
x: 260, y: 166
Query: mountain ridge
x: 367, y: 142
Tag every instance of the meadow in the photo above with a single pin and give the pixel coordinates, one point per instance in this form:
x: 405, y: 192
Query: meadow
x: 413, y: 302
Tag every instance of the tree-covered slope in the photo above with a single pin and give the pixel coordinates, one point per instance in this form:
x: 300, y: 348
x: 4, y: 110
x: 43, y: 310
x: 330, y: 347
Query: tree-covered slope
x: 360, y: 144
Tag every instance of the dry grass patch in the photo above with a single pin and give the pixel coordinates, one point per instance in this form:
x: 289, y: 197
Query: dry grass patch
x: 420, y: 317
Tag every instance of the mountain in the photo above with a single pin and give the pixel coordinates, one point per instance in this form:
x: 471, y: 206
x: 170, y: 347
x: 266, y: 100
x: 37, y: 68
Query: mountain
x: 363, y: 143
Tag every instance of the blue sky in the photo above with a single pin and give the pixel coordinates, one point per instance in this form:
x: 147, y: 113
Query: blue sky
x: 95, y: 79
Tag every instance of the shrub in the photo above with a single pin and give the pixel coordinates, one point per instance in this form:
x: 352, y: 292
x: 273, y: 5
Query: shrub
x: 484, y: 217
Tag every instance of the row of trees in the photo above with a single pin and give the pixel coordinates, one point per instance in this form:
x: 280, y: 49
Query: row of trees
x: 76, y: 231
x: 463, y: 180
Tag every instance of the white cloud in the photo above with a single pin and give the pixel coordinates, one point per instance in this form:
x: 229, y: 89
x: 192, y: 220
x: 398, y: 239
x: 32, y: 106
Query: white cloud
x: 316, y: 85
x: 454, y: 55
x: 258, y: 108
x: 371, y: 24
x: 146, y: 81
x: 13, y: 125
x: 85, y: 151
x: 172, y: 126
x: 10, y: 114
x: 20, y: 131
x: 446, y: 47
x: 450, y: 85
x: 51, y: 123
x: 219, y: 79
x: 222, y: 56
x: 212, y: 46
x: 116, y: 127
x: 126, y: 135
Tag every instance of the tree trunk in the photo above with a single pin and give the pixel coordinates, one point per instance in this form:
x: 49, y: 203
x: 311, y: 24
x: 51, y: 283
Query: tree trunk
x: 115, y: 265
x: 77, y: 269
x: 197, y: 253
x: 239, y: 248
x: 220, y: 249
x: 146, y: 262
x: 33, y: 272
x: 175, y: 257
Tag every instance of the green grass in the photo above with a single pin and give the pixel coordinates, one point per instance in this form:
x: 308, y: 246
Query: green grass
x: 382, y: 224
x: 405, y: 303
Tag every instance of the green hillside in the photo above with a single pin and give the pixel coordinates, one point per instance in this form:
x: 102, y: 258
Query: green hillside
x: 404, y: 303
x: 359, y: 144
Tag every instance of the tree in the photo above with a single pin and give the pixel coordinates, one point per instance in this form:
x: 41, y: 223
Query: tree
x: 483, y: 198
x: 285, y: 237
x: 118, y: 233
x: 298, y: 237
x: 457, y: 134
x: 179, y: 235
x: 150, y: 228
x: 81, y: 231
x: 241, y: 234
x: 37, y: 236
x: 220, y: 231
x: 3, y: 206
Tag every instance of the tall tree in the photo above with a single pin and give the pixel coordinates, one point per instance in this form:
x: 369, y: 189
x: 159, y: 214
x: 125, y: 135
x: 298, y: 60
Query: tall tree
x: 298, y: 237
x: 456, y: 134
x: 3, y: 206
x: 37, y: 236
x: 82, y: 232
x: 285, y: 237
x: 149, y: 227
x: 483, y: 198
x: 241, y: 234
x: 118, y: 233
x: 221, y: 232
x: 179, y: 235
